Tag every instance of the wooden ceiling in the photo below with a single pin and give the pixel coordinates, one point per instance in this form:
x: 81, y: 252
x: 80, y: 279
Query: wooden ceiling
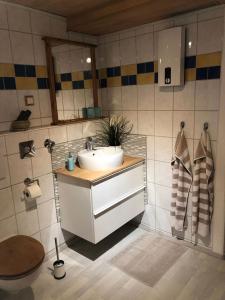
x: 106, y: 16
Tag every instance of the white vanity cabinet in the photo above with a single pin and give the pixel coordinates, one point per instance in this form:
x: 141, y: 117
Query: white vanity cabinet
x: 94, y: 209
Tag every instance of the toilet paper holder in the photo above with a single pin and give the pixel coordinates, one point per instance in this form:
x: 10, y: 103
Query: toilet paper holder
x: 28, y: 181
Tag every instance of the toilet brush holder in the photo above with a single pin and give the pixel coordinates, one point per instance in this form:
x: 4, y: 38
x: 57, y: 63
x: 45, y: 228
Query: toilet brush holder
x: 59, y: 270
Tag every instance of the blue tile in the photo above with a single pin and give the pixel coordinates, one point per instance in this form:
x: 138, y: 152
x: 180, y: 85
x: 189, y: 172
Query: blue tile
x: 78, y: 84
x: 42, y: 83
x: 110, y: 72
x: 103, y: 83
x: 87, y: 75
x: 116, y: 71
x: 20, y: 70
x: 125, y: 80
x: 30, y: 71
x: 156, y: 77
x: 9, y: 83
x: 97, y: 74
x: 132, y: 80
x: 66, y: 77
x: 58, y: 86
x: 201, y: 73
x: 149, y: 67
x: 190, y: 62
x: 141, y: 68
x: 214, y: 72
x: 1, y: 83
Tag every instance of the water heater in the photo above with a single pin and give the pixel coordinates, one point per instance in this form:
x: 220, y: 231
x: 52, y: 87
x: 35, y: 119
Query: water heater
x: 171, y: 47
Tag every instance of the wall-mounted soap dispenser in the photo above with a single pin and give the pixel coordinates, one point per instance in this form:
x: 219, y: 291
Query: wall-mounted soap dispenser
x: 171, y: 47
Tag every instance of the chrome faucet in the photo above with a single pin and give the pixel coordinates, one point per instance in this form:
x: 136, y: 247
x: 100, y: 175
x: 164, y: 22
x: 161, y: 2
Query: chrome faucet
x: 90, y: 144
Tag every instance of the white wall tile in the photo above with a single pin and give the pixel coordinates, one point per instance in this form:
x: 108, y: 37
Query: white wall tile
x: 163, y: 149
x: 19, y: 18
x: 18, y: 197
x: 143, y: 29
x: 210, y: 13
x: 206, y: 116
x: 12, y: 141
x: 5, y: 182
x: 163, y: 220
x: 58, y: 134
x: 100, y: 57
x: 163, y: 196
x: 184, y: 96
x: 89, y: 129
x: 185, y: 19
x: 163, y: 24
x: 150, y: 171
x: 8, y: 228
x: 129, y: 97
x: 35, y: 109
x: 112, y: 52
x: 41, y: 162
x: 114, y: 97
x: 145, y: 97
x: 46, y: 121
x: 9, y: 108
x: 144, y: 44
x: 79, y: 98
x: 35, y: 122
x: 47, y: 188
x: 68, y: 103
x: 40, y: 23
x: 148, y: 218
x: 47, y: 214
x: 47, y: 237
x: 191, y: 39
x: 58, y: 27
x: 19, y: 168
x: 2, y: 145
x: 6, y: 203
x: 163, y: 98
x: 39, y: 136
x: 22, y: 48
x: 163, y: 123
x: 214, y: 30
x: 3, y: 16
x: 151, y: 193
x: 39, y: 50
x: 89, y: 100
x: 163, y: 173
x: 207, y: 94
x: 74, y: 131
x: 128, y: 51
x: 132, y: 117
x: 146, y: 122
x: 150, y: 147
x: 27, y: 222
x: 127, y: 33
x: 44, y: 100
x: 5, y: 48
x: 188, y: 118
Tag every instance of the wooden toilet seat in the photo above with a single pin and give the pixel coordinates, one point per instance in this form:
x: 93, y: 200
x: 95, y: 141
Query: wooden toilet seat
x: 19, y: 256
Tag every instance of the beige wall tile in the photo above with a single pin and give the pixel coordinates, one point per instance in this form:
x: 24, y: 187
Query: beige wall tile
x: 184, y: 96
x: 19, y: 168
x: 6, y: 203
x: 5, y: 48
x: 8, y: 227
x: 47, y: 188
x: 74, y: 131
x: 41, y: 162
x: 163, y: 98
x: 22, y: 48
x: 145, y: 97
x: 27, y: 222
x: 163, y: 123
x: 12, y: 141
x: 146, y: 122
x: 18, y: 18
x: 188, y: 118
x: 163, y: 149
x: 47, y: 214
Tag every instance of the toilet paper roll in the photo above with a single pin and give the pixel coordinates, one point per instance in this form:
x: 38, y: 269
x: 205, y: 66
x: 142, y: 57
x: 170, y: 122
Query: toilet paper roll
x: 32, y: 191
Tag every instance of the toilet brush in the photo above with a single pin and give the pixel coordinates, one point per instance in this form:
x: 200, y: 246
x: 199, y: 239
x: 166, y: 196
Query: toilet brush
x: 59, y: 271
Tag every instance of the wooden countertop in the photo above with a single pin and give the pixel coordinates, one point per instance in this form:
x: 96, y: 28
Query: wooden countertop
x: 94, y: 176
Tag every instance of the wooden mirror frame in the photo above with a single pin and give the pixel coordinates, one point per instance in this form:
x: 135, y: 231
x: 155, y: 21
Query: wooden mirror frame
x: 51, y: 42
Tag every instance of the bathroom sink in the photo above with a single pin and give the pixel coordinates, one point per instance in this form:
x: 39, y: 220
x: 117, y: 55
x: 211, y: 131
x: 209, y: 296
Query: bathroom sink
x: 102, y: 158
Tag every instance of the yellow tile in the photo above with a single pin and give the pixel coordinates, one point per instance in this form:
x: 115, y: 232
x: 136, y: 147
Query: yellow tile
x: 113, y: 81
x: 41, y: 71
x: 88, y: 83
x: 129, y: 70
x: 145, y: 78
x: 66, y: 85
x: 208, y: 60
x: 155, y: 66
x: 7, y: 70
x: 102, y: 73
x: 26, y: 83
x: 190, y: 74
x: 78, y: 75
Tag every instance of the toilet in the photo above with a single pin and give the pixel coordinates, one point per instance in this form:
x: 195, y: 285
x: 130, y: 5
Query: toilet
x: 20, y: 260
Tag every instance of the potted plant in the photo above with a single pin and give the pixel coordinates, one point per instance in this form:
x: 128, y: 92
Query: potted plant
x: 115, y: 130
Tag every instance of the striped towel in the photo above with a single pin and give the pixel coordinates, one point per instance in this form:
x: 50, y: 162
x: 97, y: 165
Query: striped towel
x: 181, y: 183
x: 203, y: 191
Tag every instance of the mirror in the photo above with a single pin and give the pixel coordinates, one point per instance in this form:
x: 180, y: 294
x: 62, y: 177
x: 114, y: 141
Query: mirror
x: 72, y: 80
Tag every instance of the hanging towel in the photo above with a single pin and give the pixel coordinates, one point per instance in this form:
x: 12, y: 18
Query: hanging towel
x: 181, y: 183
x: 203, y: 191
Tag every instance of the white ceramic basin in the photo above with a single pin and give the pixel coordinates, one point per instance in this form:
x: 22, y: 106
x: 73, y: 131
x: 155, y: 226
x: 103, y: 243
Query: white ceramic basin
x: 102, y: 158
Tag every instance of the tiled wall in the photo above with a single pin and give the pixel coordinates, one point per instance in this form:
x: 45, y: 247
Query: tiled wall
x: 23, y: 61
x: 38, y: 218
x: 127, y: 63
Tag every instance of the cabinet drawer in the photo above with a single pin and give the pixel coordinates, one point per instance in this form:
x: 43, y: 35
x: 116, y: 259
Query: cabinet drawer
x: 108, y: 222
x: 108, y: 193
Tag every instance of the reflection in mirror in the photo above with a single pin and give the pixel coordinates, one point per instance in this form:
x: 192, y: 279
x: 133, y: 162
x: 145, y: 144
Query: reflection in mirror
x: 73, y: 78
